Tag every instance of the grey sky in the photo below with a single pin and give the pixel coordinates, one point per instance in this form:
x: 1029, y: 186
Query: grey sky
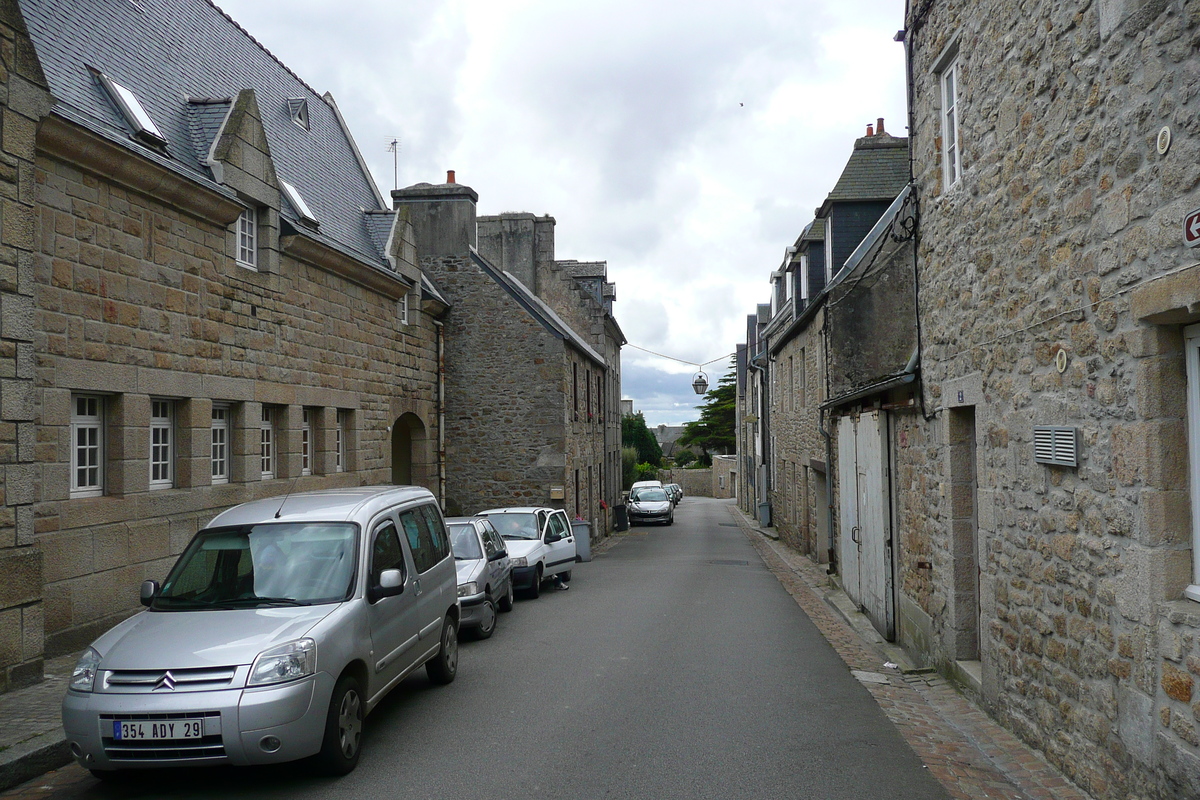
x: 686, y: 144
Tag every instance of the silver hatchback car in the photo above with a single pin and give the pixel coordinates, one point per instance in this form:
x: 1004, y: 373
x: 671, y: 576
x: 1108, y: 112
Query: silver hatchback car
x: 279, y: 628
x: 485, y: 581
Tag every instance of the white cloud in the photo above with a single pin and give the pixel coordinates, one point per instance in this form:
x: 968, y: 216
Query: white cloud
x: 687, y: 149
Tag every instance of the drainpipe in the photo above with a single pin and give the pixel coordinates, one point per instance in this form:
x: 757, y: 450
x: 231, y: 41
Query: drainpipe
x: 441, y: 412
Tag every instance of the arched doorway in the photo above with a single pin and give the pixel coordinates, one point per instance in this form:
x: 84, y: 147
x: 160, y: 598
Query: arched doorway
x: 410, y: 452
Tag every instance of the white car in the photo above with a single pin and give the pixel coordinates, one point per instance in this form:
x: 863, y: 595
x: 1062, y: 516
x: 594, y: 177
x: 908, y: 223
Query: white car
x: 540, y: 544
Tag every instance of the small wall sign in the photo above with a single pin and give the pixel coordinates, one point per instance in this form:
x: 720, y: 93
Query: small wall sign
x: 1191, y: 229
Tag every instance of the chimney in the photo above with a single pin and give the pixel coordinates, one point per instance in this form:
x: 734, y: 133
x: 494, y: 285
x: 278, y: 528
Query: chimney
x: 450, y: 172
x: 443, y: 217
x: 870, y: 131
x: 879, y: 127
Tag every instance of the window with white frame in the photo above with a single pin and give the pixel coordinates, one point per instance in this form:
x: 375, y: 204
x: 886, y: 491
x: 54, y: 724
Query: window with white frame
x: 266, y: 437
x: 403, y: 309
x: 1191, y: 336
x: 306, y: 441
x: 87, y: 445
x: 340, y: 443
x: 804, y: 277
x: 247, y: 239
x: 162, y: 450
x: 829, y: 270
x: 220, y: 444
x: 951, y: 165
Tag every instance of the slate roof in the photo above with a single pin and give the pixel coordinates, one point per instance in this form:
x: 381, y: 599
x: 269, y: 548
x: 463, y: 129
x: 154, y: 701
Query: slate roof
x: 167, y: 51
x: 814, y: 232
x: 877, y: 170
x: 536, y: 307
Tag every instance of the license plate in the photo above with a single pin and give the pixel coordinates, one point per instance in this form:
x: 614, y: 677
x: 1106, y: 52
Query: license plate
x: 153, y: 730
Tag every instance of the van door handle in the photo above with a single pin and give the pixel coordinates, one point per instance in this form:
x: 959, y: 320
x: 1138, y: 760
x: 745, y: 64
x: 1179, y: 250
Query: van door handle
x: 417, y: 588
x: 855, y: 533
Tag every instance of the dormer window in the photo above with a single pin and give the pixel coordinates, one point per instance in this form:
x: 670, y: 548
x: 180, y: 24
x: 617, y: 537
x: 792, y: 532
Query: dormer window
x: 134, y: 112
x: 298, y: 109
x: 247, y: 239
x: 297, y: 202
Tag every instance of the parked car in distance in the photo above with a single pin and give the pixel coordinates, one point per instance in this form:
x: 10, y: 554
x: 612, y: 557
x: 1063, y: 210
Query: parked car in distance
x: 675, y: 492
x: 484, y: 573
x: 282, y: 625
x: 650, y: 504
x: 540, y: 544
x: 643, y: 484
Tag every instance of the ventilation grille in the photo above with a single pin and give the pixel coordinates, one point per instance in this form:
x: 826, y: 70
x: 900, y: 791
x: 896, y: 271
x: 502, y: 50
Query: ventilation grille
x: 1054, y: 444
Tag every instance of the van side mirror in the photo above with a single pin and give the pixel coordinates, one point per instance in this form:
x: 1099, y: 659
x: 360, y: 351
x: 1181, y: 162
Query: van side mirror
x: 553, y: 537
x: 391, y: 583
x: 149, y: 592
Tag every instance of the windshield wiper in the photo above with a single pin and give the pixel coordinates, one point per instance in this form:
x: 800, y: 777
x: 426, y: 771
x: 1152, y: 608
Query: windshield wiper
x: 284, y: 601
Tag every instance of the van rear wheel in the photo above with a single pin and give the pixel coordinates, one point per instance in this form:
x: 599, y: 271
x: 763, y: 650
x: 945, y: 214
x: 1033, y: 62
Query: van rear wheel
x: 343, y: 728
x: 442, y: 668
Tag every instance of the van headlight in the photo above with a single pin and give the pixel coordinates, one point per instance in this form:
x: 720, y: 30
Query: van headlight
x: 83, y: 677
x: 287, y: 662
x: 519, y: 561
x: 467, y: 589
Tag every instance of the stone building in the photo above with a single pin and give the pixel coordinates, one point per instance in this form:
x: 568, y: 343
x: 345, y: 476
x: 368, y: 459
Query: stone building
x: 205, y: 300
x: 800, y: 495
x: 1048, y: 496
x: 532, y: 360
x: 840, y: 311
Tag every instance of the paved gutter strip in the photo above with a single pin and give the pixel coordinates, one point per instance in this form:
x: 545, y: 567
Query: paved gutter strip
x: 968, y: 752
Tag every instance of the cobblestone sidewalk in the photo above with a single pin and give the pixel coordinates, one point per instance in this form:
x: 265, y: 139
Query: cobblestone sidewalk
x: 966, y: 750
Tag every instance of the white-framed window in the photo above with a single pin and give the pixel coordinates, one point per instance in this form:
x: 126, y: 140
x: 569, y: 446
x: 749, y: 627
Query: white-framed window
x: 87, y: 445
x: 266, y: 437
x: 1191, y: 338
x: 162, y: 444
x: 306, y: 441
x: 220, y: 444
x: 804, y: 277
x: 829, y: 270
x: 951, y: 165
x: 403, y: 309
x: 247, y: 239
x: 340, y: 443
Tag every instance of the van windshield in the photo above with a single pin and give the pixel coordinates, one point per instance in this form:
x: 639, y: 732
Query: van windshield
x: 293, y: 563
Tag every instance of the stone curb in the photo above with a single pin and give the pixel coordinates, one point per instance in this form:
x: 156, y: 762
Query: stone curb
x: 33, y: 757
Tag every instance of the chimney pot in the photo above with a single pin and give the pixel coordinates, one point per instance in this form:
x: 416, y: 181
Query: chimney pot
x: 879, y: 127
x: 449, y: 176
x: 870, y: 131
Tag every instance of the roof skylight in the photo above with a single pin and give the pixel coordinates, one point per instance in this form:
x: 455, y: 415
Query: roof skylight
x: 134, y: 112
x: 298, y: 108
x: 297, y: 202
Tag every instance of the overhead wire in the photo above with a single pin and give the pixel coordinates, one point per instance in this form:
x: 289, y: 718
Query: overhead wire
x: 696, y: 364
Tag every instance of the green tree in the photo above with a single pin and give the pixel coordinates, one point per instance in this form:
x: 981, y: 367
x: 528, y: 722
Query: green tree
x: 635, y: 434
x: 684, y: 458
x: 714, y: 432
x: 629, y: 457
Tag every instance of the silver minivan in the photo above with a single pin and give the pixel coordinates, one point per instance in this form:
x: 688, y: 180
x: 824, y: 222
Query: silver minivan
x: 280, y: 627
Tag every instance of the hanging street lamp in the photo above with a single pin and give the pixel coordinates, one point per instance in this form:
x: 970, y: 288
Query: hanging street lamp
x: 700, y: 382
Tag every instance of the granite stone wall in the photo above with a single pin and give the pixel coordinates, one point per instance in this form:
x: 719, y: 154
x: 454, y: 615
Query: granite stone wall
x: 24, y: 100
x: 1054, y: 287
x: 136, y: 300
x: 797, y: 390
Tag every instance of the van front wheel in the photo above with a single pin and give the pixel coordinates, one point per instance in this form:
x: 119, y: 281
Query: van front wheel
x: 442, y: 668
x: 343, y: 728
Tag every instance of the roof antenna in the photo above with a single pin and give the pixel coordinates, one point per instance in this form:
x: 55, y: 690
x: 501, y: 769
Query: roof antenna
x: 279, y: 511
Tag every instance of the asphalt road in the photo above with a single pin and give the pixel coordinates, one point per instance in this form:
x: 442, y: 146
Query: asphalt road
x: 676, y: 666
